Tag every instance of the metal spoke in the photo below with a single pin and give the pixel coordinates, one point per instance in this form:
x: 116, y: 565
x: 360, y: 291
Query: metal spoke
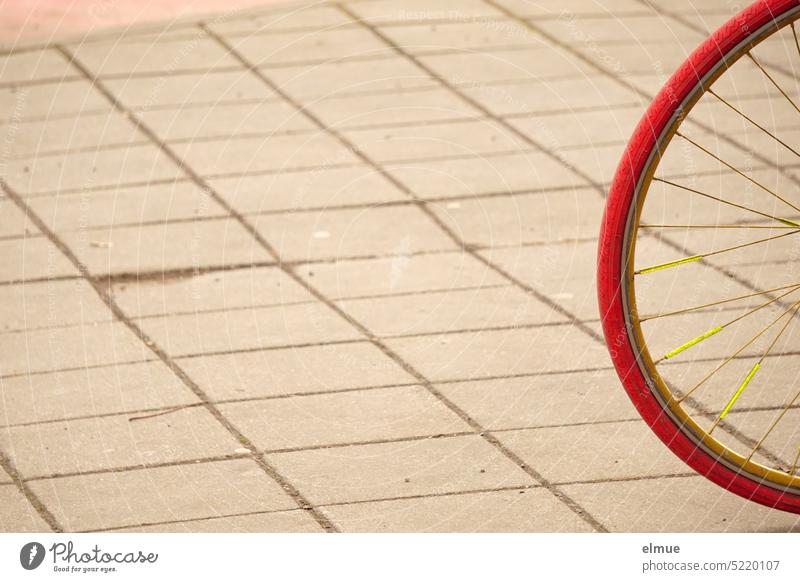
x: 751, y: 374
x: 783, y: 412
x: 733, y: 356
x: 773, y: 81
x: 699, y: 256
x: 715, y: 303
x: 728, y: 202
x: 758, y: 125
x: 719, y: 328
x: 738, y: 171
x: 743, y: 226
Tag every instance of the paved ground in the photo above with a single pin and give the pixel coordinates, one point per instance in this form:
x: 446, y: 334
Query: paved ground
x: 330, y: 268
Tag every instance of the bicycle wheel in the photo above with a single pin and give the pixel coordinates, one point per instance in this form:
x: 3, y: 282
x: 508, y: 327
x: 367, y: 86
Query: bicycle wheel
x: 699, y: 299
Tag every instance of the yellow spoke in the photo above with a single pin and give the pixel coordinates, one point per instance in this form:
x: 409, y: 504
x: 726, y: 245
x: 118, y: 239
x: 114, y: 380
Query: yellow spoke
x: 715, y: 303
x: 732, y: 357
x: 736, y: 396
x: 694, y: 258
x: 719, y: 328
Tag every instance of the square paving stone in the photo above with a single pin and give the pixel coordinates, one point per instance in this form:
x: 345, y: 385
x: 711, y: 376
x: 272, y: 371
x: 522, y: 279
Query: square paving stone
x: 451, y: 310
x: 481, y: 354
x: 560, y: 215
x: 477, y: 176
x: 18, y: 514
x: 92, y: 391
x: 130, y: 56
x: 162, y: 247
x: 189, y: 89
x: 287, y: 521
x: 33, y: 258
x: 392, y: 108
x: 593, y: 452
x: 546, y: 400
x: 29, y: 306
x: 225, y: 120
x: 400, y: 469
x: 139, y: 205
x: 298, y: 370
x: 111, y: 442
x: 90, y: 170
x: 523, y: 510
x: 319, y: 188
x: 59, y: 98
x: 404, y: 273
x: 462, y: 138
x: 339, y: 234
x: 277, y: 153
x: 340, y: 78
x: 142, y: 496
x: 59, y: 348
x: 215, y: 291
x: 249, y: 329
x: 347, y: 417
x: 95, y: 131
x: 35, y: 65
x: 687, y: 504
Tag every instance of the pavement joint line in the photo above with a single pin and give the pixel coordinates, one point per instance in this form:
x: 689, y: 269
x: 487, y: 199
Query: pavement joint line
x: 433, y: 495
x: 145, y: 412
x: 104, y: 295
x: 372, y: 338
x: 305, y: 132
x: 290, y: 395
x: 426, y: 383
x: 334, y: 504
x: 369, y: 442
x: 630, y: 479
x: 143, y: 467
x: 73, y: 369
x: 312, y: 209
x: 38, y: 506
x: 299, y: 170
x: 377, y: 296
x: 190, y: 520
x: 31, y: 119
x: 343, y: 445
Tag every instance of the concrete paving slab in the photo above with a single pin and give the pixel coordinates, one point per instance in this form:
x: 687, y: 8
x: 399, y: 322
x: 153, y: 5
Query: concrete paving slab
x: 684, y: 504
x: 106, y: 390
x: 18, y: 514
x: 348, y: 417
x: 522, y: 510
x: 298, y: 370
x: 132, y: 498
x: 401, y: 469
x: 112, y: 442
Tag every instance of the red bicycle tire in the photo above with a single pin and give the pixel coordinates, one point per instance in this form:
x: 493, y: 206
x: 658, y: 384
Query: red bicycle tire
x: 611, y: 247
